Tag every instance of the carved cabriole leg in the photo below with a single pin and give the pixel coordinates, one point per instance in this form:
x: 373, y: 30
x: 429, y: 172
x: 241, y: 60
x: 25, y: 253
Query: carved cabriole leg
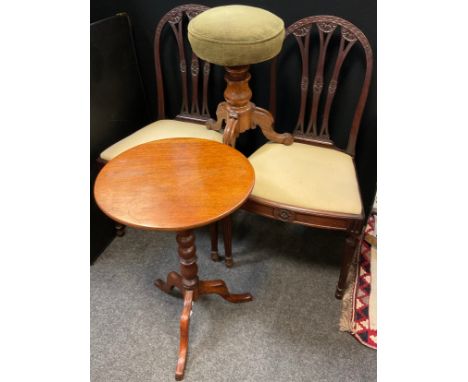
x: 239, y: 113
x: 119, y: 229
x: 214, y: 241
x: 264, y: 120
x: 351, y: 244
x: 221, y: 113
x: 231, y: 130
x: 227, y: 238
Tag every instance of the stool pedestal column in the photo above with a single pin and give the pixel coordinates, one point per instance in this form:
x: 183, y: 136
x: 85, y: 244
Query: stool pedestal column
x: 239, y: 113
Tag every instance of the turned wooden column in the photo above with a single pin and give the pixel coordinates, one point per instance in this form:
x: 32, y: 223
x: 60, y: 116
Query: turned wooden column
x: 188, y: 260
x: 239, y: 113
x: 189, y: 273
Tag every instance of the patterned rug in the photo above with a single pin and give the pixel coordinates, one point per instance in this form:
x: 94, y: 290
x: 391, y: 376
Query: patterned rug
x: 359, y: 307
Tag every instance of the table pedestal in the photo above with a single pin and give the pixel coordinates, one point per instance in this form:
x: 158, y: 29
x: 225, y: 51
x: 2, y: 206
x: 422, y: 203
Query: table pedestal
x: 192, y: 288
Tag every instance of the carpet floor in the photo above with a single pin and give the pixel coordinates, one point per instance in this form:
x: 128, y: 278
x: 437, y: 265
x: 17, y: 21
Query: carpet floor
x: 288, y: 333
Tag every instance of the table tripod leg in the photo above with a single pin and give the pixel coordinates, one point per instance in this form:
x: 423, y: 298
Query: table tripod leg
x: 189, y: 277
x: 191, y: 287
x: 219, y: 287
x: 173, y: 280
x: 184, y: 335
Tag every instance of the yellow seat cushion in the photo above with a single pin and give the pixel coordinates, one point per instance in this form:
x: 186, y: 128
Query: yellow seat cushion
x: 165, y: 128
x: 306, y: 176
x: 233, y: 35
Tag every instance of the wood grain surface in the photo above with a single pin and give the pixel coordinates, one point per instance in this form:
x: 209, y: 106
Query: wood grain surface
x: 174, y: 184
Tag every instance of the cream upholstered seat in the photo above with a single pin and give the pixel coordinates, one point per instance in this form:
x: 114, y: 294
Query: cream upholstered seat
x: 306, y: 176
x: 233, y: 35
x: 165, y: 128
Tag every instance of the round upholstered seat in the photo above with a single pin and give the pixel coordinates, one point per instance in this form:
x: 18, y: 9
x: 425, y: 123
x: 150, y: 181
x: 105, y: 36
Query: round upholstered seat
x: 235, y: 35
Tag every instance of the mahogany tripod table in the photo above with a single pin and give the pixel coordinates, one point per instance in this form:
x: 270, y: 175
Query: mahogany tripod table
x: 177, y: 184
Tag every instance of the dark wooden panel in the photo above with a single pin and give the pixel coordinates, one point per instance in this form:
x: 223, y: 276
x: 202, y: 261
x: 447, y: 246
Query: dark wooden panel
x: 118, y: 104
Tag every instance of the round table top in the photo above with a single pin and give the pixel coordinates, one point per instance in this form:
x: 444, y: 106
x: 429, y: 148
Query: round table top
x: 174, y: 184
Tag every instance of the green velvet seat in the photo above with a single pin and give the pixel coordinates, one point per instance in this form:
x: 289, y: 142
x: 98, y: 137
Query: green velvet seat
x: 235, y: 35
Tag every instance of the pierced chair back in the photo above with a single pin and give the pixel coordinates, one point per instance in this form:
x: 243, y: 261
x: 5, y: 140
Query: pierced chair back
x: 325, y: 49
x: 193, y: 77
x: 317, y: 96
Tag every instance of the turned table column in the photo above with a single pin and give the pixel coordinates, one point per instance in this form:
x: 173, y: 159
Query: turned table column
x: 189, y: 272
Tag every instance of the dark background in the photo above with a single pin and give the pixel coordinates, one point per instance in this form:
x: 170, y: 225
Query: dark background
x: 144, y: 15
x: 117, y: 103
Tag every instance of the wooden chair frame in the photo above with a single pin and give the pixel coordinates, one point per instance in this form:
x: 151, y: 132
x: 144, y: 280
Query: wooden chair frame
x: 311, y: 134
x: 192, y: 108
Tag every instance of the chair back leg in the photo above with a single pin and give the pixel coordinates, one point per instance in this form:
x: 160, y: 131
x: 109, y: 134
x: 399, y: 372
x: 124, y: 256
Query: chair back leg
x: 119, y: 229
x: 227, y: 237
x: 214, y: 241
x: 351, y: 245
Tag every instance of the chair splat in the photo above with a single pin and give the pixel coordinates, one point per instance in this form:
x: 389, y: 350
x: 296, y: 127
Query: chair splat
x: 342, y: 53
x: 304, y: 44
x: 175, y: 19
x: 322, y: 94
x: 327, y: 29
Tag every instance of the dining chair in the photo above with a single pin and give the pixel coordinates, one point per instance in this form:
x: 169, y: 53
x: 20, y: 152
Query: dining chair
x: 313, y: 181
x: 190, y: 120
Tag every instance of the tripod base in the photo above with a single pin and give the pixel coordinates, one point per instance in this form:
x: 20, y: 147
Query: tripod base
x: 192, y: 288
x: 239, y: 113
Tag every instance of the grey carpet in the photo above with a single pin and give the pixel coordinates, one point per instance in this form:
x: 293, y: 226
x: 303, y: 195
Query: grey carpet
x: 288, y: 333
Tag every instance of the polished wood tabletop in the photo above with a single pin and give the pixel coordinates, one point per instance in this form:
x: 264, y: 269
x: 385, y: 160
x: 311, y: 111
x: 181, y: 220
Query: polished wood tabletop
x: 174, y: 184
